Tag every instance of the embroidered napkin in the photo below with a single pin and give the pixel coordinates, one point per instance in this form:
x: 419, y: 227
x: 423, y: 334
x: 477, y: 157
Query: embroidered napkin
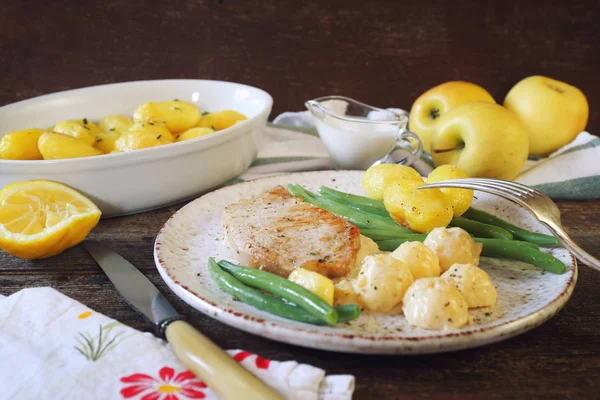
x: 572, y: 172
x: 53, y: 347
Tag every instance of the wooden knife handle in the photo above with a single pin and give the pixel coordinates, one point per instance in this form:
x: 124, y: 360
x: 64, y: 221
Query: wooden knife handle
x: 213, y: 366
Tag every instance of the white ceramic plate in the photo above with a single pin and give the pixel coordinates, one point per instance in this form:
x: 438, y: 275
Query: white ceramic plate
x: 527, y: 296
x: 125, y: 183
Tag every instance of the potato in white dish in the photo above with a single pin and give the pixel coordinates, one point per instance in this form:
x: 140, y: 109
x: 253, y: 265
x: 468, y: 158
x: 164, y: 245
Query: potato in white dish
x: 178, y: 116
x: 56, y: 146
x: 21, y: 145
x: 142, y: 135
x: 85, y: 132
x: 115, y: 124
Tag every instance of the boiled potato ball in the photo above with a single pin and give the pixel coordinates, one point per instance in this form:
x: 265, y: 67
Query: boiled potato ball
x: 473, y: 283
x: 381, y: 282
x: 434, y: 303
x: 423, y: 262
x: 453, y: 246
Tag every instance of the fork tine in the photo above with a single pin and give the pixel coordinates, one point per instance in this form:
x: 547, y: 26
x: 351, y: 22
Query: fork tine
x: 481, y: 185
x: 522, y: 191
x: 529, y: 188
x: 498, y: 190
x: 517, y: 185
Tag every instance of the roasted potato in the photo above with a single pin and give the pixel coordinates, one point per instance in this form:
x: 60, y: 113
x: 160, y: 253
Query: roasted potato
x: 418, y: 210
x: 460, y: 199
x: 376, y: 179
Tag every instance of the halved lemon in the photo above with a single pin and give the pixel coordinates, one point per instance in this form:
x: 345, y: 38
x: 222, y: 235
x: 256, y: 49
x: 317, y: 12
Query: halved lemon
x: 42, y: 218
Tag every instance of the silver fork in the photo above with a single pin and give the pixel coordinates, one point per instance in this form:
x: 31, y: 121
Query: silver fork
x: 534, y: 201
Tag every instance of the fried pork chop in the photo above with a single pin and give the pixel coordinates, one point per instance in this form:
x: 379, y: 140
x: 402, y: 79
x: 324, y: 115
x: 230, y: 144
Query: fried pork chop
x: 278, y: 232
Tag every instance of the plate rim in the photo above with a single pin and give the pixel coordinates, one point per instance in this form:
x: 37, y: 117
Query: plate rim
x: 359, y: 343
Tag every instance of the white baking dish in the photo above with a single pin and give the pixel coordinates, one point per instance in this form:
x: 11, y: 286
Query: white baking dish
x: 125, y: 183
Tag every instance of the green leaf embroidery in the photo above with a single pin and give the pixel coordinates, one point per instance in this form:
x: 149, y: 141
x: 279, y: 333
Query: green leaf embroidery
x: 94, y: 349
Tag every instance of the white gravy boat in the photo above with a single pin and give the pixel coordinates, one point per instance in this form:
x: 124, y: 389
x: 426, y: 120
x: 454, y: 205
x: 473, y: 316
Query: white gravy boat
x: 358, y: 135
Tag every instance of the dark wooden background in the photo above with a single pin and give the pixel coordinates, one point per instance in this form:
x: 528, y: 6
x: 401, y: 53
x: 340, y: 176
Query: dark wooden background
x: 382, y: 52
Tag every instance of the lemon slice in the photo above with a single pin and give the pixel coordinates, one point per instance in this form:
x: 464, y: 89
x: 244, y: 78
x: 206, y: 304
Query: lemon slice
x: 42, y: 218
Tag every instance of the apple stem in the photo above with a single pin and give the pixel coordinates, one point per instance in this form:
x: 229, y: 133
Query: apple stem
x: 462, y: 146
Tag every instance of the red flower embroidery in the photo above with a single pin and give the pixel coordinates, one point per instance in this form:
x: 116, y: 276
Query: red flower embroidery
x: 168, y: 386
x: 260, y: 362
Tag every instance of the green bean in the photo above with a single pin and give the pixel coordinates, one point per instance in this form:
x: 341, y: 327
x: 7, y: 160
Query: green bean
x: 355, y: 200
x: 511, y: 250
x: 360, y: 207
x: 271, y: 304
x: 379, y: 235
x: 518, y: 233
x: 361, y: 202
x: 347, y: 312
x: 480, y: 229
x: 361, y: 219
x: 526, y: 244
x: 368, y: 215
x: 288, y: 290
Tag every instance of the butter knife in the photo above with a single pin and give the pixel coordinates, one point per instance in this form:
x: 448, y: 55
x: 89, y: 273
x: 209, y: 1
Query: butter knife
x: 196, y: 352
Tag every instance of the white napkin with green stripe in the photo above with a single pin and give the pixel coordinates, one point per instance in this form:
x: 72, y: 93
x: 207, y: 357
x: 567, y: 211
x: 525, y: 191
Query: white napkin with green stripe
x: 292, y: 144
x: 572, y: 172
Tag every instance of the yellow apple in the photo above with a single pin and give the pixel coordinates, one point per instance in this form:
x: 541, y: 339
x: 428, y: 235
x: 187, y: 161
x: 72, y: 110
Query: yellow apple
x: 439, y: 100
x: 553, y: 111
x: 482, y: 139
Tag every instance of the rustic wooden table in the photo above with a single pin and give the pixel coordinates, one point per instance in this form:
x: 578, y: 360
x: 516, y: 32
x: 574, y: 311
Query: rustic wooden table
x: 383, y: 52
